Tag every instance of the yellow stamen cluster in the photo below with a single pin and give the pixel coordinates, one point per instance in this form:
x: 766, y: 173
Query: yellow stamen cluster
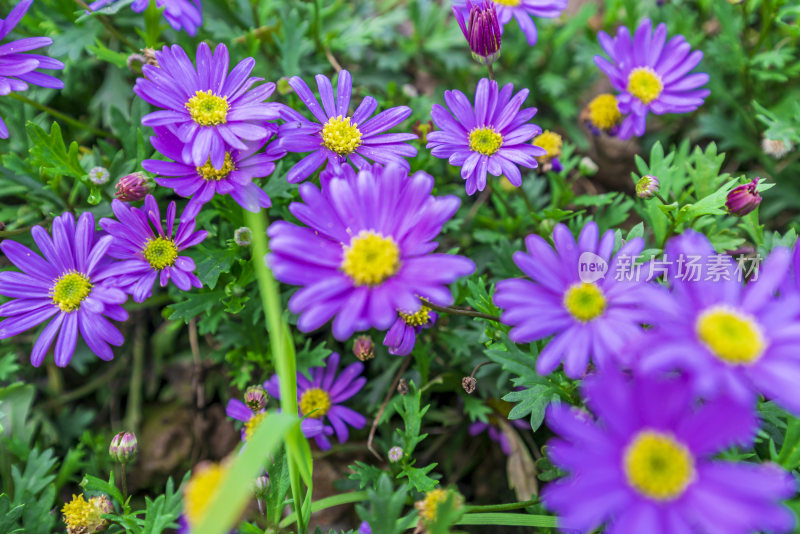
x: 733, y: 337
x: 251, y: 424
x: 201, y: 489
x: 160, y: 252
x: 83, y: 517
x: 645, y: 84
x: 658, y: 466
x: 510, y: 3
x: 485, y: 141
x: 370, y: 258
x: 604, y: 112
x: 341, y: 136
x: 315, y: 402
x: 212, y: 174
x: 69, y: 290
x: 585, y: 301
x: 208, y: 109
x: 417, y: 319
x: 428, y: 508
x: 551, y: 142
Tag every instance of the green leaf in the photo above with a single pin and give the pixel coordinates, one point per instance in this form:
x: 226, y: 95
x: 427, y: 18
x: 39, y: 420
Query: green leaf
x: 385, y: 506
x: 213, y: 262
x: 789, y: 457
x: 49, y: 152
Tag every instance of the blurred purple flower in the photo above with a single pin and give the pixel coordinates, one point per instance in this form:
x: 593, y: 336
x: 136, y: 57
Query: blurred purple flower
x: 493, y: 138
x: 180, y: 14
x: 646, y: 464
x: 496, y: 431
x: 208, y: 109
x: 320, y: 398
x: 147, y: 255
x: 18, y: 69
x: 337, y: 136
x: 238, y: 410
x: 366, y: 252
x: 201, y: 183
x: 74, y: 284
x: 651, y: 74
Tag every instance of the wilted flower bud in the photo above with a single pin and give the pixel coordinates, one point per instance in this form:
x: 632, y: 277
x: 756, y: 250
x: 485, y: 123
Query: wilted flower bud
x: 132, y: 187
x: 123, y: 447
x: 98, y: 175
x: 103, y: 504
x: 469, y: 384
x: 243, y: 236
x: 364, y: 348
x: 776, y: 148
x: 396, y: 454
x: 402, y: 386
x: 647, y: 186
x: 743, y: 199
x: 255, y: 397
x: 482, y: 31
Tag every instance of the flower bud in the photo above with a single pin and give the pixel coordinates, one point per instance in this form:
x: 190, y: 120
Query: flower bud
x: 123, y: 447
x: 396, y: 454
x: 743, y: 199
x: 364, y: 348
x: 647, y: 186
x: 469, y: 384
x: 243, y: 236
x: 777, y: 148
x: 255, y: 397
x: 402, y: 386
x: 98, y: 175
x: 587, y: 166
x: 132, y: 187
x: 482, y: 31
x: 283, y: 86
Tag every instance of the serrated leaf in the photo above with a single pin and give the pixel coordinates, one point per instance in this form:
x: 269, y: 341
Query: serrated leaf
x: 50, y: 153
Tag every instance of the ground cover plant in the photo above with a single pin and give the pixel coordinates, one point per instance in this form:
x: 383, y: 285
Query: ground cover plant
x: 272, y: 266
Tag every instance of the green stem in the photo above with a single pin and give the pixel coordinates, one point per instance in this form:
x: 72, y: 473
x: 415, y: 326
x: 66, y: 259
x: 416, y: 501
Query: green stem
x: 459, y: 311
x: 514, y: 520
x: 133, y: 409
x: 283, y: 358
x: 491, y: 71
x: 500, y: 507
x: 57, y: 114
x: 123, y: 467
x: 329, y: 502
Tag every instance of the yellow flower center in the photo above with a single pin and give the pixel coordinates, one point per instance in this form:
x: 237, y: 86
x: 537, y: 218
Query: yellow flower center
x: 315, y: 403
x: 200, y: 490
x: 549, y: 141
x: 416, y: 319
x: 208, y: 109
x: 658, y: 466
x: 341, y: 136
x: 485, y: 141
x: 511, y: 3
x: 430, y: 504
x: 585, y: 301
x: 733, y: 337
x: 370, y: 258
x: 83, y: 517
x: 211, y: 173
x: 160, y: 252
x: 251, y: 424
x: 70, y: 289
x: 644, y: 84
x: 604, y: 111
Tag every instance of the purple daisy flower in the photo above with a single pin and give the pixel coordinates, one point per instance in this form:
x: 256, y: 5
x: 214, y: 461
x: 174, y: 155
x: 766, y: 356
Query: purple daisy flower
x: 180, y: 14
x: 207, y: 108
x: 729, y: 338
x: 238, y: 410
x: 651, y: 74
x: 522, y: 10
x: 337, y: 136
x: 320, y: 398
x: 495, y: 431
x: 74, y: 285
x: 147, y: 255
x: 402, y: 336
x: 18, y: 69
x: 645, y: 464
x: 493, y: 138
x: 367, y: 250
x: 201, y: 183
x: 575, y: 295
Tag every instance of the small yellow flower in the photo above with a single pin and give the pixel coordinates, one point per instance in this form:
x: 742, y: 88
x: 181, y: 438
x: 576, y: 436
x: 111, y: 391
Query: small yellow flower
x: 83, y: 517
